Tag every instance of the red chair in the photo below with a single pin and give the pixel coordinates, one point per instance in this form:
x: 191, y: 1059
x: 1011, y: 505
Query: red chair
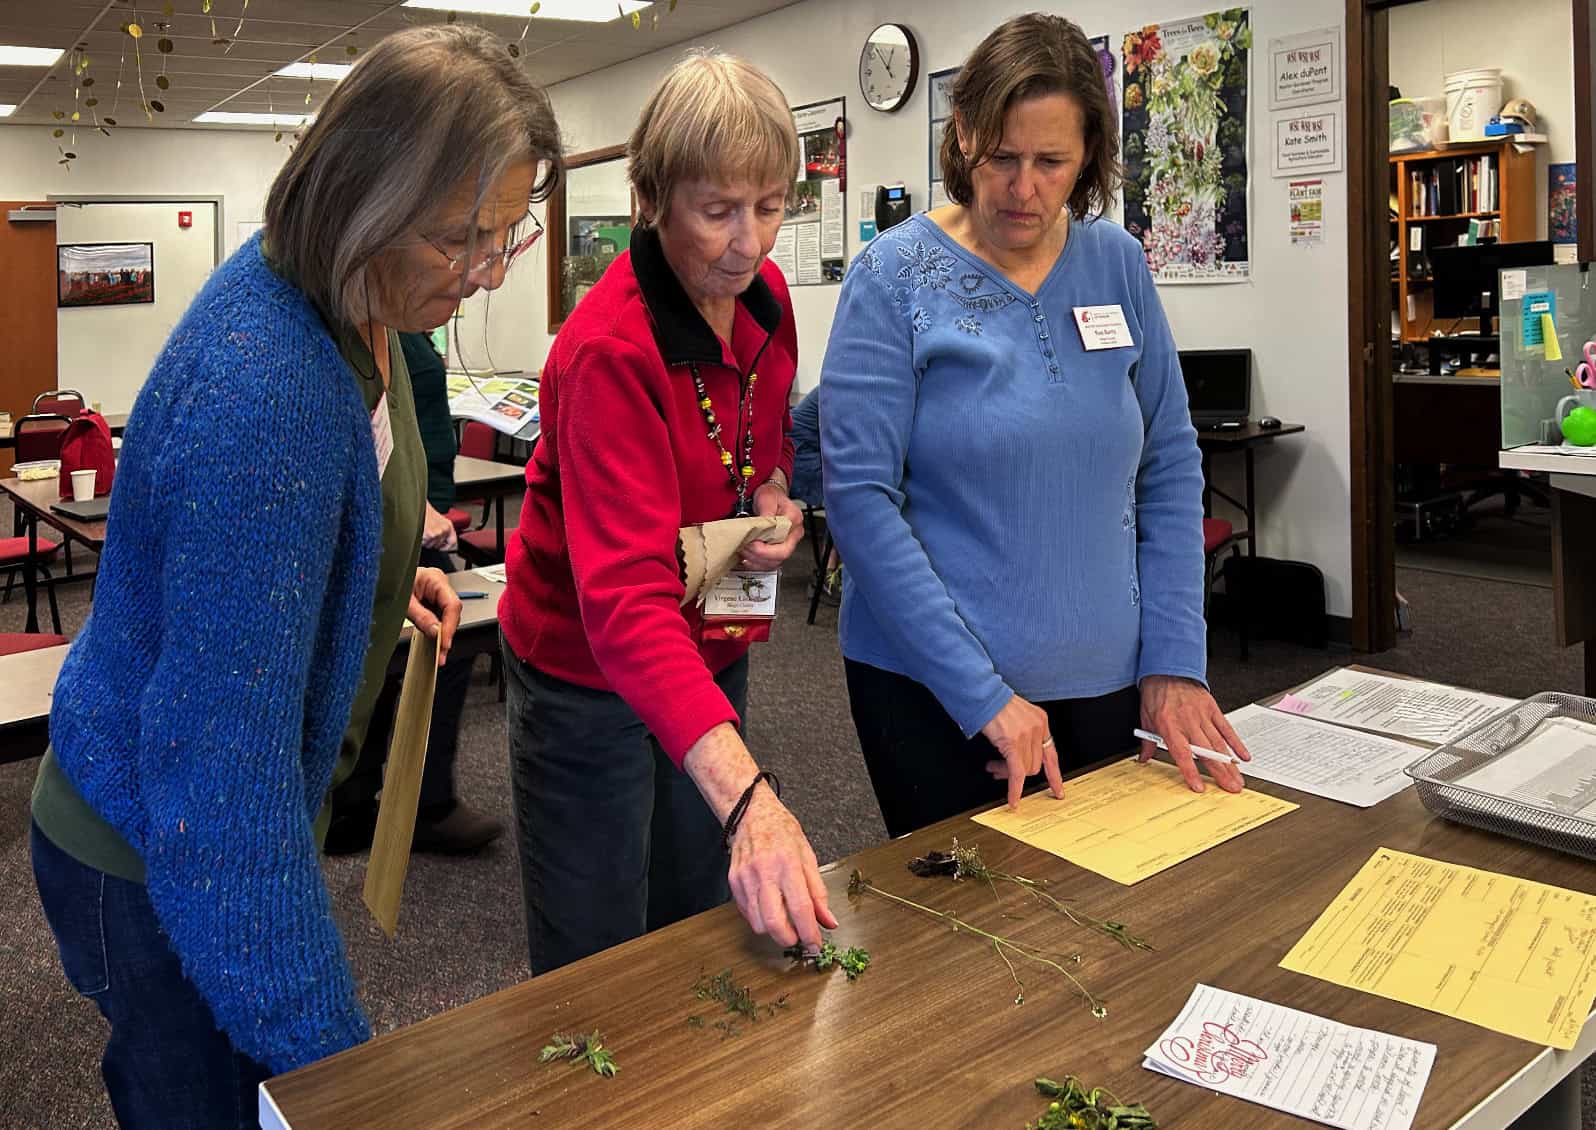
x: 459, y: 519
x: 1219, y: 535
x: 14, y: 559
x: 38, y: 437
x: 60, y: 401
x: 478, y: 441
x: 482, y: 547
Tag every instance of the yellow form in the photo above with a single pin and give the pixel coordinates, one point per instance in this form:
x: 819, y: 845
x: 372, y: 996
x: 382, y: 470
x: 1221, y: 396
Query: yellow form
x: 1504, y: 953
x: 1128, y: 821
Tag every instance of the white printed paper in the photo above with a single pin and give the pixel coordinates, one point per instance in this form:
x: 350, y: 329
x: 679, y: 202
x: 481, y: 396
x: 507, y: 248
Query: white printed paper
x: 1329, y: 761
x: 1308, y: 141
x: 1553, y: 768
x: 1293, y: 1061
x: 785, y: 255
x: 1514, y: 284
x: 1405, y: 708
x: 1305, y: 68
x: 492, y: 573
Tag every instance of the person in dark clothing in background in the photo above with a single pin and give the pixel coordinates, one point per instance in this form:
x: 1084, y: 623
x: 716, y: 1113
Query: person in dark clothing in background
x: 444, y: 826
x: 808, y: 482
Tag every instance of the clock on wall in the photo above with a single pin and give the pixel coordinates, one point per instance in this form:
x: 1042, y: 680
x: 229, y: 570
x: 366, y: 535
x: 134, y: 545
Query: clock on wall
x: 888, y: 67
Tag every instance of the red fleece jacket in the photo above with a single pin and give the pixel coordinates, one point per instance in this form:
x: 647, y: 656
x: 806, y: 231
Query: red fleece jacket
x: 623, y: 462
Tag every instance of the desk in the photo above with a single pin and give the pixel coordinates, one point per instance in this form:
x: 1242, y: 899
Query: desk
x: 26, y: 681
x: 492, y: 482
x: 33, y: 500
x: 116, y: 420
x: 1452, y: 419
x: 929, y: 1036
x: 1245, y: 439
x: 1573, y: 481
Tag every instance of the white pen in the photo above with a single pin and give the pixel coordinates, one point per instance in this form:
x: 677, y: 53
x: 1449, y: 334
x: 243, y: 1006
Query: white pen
x: 1205, y: 754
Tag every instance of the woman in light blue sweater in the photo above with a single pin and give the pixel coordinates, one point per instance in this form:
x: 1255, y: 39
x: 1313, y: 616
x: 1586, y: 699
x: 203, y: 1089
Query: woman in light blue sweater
x: 1010, y: 467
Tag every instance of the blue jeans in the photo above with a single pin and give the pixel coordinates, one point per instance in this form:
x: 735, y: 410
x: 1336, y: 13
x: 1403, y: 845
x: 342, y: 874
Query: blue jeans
x: 166, y: 1065
x: 614, y: 839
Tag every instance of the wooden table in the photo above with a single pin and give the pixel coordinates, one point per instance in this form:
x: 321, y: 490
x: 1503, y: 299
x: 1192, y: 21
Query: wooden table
x: 929, y: 1037
x: 1246, y: 439
x: 26, y: 681
x: 116, y: 420
x: 492, y: 482
x: 33, y: 500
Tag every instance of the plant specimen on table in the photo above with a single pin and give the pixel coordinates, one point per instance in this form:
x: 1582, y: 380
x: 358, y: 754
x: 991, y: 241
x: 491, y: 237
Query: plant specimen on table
x: 853, y: 961
x: 965, y: 862
x: 588, y: 1049
x: 859, y: 885
x: 737, y: 1000
x: 1075, y: 1108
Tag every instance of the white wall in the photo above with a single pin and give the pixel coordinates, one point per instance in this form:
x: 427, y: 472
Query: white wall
x: 1292, y: 312
x: 233, y: 164
x: 105, y: 352
x: 1530, y: 42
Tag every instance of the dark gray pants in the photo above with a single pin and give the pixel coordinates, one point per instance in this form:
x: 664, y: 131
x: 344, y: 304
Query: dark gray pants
x: 614, y: 839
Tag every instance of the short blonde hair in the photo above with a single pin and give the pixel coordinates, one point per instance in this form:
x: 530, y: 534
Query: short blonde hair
x: 712, y: 117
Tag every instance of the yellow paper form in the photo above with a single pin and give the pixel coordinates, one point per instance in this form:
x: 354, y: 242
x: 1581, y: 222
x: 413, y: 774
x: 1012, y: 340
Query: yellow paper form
x: 1504, y: 953
x: 1128, y: 821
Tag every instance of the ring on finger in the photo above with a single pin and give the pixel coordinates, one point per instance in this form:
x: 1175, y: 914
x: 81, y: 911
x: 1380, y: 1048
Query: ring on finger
x: 1047, y: 742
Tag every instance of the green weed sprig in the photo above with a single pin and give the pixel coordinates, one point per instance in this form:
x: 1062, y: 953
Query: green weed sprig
x: 1003, y: 947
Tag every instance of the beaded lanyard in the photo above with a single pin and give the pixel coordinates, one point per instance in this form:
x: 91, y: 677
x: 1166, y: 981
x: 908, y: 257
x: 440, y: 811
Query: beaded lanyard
x: 745, y: 409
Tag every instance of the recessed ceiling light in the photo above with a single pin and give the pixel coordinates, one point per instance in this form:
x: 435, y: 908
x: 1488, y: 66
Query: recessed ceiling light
x: 319, y: 71
x: 28, y: 56
x: 591, y: 11
x: 237, y: 118
x: 6, y: 111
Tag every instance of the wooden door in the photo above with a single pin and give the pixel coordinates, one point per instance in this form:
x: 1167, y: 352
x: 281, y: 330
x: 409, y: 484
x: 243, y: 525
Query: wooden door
x: 27, y: 313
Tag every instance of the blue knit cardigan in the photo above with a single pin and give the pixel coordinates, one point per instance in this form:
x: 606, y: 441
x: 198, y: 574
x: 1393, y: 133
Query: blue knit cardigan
x: 200, y: 710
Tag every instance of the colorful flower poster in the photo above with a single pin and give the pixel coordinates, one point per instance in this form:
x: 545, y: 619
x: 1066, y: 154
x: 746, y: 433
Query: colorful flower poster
x: 1560, y: 204
x: 1185, y: 143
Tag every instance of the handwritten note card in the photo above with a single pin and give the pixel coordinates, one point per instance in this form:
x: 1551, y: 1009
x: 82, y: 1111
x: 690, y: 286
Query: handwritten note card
x: 1294, y: 1061
x: 1507, y: 954
x: 1128, y: 821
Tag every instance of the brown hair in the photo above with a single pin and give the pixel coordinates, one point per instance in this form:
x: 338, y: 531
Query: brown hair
x: 713, y: 116
x: 422, y: 109
x: 1027, y: 57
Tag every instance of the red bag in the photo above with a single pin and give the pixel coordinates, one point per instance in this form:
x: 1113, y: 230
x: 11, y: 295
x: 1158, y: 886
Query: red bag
x: 86, y: 445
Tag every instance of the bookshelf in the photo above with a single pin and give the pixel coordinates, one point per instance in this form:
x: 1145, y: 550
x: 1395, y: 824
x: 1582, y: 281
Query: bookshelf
x: 1436, y: 193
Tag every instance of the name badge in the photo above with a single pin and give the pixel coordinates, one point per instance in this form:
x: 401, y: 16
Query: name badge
x: 382, y: 433
x: 1103, y: 327
x: 744, y: 596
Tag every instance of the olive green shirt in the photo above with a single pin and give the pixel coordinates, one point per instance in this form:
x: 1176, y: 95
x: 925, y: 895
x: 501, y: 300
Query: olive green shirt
x: 74, y: 827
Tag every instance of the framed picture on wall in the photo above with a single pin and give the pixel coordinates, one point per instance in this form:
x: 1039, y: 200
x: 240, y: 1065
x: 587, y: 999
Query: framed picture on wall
x: 104, y: 274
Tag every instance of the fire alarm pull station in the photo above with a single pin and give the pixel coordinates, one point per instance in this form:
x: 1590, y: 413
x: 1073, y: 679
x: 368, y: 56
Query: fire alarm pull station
x: 185, y: 219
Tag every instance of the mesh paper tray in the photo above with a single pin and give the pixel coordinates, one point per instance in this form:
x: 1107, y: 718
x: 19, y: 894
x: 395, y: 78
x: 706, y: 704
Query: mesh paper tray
x: 1435, y: 777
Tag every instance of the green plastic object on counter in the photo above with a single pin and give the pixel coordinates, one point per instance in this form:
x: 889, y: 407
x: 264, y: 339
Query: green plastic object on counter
x: 1579, y: 427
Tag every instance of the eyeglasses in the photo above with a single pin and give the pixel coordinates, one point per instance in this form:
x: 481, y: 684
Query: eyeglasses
x: 492, y: 259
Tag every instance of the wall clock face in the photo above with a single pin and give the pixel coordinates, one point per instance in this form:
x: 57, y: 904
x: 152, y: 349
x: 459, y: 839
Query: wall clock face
x: 888, y: 67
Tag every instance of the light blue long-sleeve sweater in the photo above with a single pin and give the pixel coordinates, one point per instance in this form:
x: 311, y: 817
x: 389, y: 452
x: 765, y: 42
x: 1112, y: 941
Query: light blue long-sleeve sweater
x: 1016, y: 514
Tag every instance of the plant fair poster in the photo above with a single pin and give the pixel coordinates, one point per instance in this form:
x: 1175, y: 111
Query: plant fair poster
x: 1185, y: 142
x: 810, y: 246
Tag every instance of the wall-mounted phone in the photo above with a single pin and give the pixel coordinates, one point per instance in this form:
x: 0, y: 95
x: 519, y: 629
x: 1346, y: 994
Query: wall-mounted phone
x: 892, y: 206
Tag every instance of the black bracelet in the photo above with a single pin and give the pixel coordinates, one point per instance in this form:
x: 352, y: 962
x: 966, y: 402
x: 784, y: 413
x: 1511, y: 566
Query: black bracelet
x: 742, y: 804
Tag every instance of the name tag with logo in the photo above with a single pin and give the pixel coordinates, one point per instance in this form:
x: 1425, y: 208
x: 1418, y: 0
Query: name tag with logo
x: 743, y: 596
x: 1103, y: 327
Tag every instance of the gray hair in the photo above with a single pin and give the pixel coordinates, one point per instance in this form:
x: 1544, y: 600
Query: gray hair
x: 423, y: 109
x: 712, y: 117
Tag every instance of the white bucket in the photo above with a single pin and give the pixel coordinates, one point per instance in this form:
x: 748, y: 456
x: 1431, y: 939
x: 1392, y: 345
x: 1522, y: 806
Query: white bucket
x: 1472, y: 98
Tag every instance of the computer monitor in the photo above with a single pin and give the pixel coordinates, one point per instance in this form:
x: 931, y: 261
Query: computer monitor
x: 1218, y: 385
x: 1465, y: 277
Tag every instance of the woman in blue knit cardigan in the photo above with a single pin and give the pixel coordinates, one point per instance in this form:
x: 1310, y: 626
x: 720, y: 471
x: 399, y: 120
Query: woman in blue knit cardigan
x: 260, y: 558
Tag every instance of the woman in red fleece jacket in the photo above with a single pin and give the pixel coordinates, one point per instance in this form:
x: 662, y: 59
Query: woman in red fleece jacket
x: 664, y: 403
